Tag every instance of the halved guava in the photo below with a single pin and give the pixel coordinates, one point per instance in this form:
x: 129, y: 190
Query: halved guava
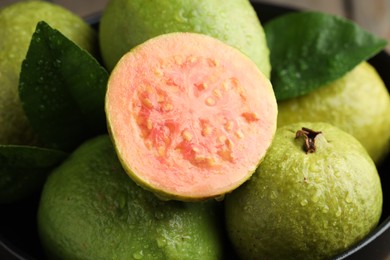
x: 191, y: 117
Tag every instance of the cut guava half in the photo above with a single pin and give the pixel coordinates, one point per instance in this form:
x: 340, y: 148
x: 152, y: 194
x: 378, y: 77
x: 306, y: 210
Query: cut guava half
x: 190, y: 117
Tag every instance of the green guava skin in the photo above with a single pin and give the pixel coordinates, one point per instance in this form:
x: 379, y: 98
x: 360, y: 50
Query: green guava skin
x: 18, y: 22
x: 358, y: 103
x: 302, y: 205
x: 125, y: 24
x: 90, y: 209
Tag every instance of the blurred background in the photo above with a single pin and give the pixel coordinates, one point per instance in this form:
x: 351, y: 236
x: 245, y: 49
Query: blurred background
x: 373, y: 15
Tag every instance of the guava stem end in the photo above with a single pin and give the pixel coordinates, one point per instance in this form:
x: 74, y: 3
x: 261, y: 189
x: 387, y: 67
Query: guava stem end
x: 309, y: 136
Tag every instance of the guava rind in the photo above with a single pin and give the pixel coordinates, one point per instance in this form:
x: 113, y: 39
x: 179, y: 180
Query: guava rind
x: 90, y: 209
x: 358, y: 103
x: 306, y: 206
x: 126, y: 24
x: 18, y: 22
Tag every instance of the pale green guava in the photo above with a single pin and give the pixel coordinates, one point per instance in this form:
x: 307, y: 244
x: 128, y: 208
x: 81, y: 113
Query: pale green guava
x: 17, y: 23
x: 90, y: 209
x: 358, y: 103
x: 126, y: 24
x: 313, y: 196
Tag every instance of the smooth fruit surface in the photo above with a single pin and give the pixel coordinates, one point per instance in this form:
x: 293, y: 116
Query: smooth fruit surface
x: 18, y: 22
x: 126, y: 24
x: 90, y: 209
x: 358, y: 103
x: 187, y: 122
x: 306, y: 205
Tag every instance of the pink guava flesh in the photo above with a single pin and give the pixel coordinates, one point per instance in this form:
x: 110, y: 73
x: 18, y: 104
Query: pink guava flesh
x: 191, y: 117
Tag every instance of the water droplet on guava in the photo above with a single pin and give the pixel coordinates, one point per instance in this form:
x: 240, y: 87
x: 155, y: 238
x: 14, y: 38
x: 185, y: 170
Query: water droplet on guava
x: 121, y: 201
x: 338, y: 212
x: 159, y: 215
x: 220, y: 198
x: 161, y: 242
x: 304, y: 202
x: 138, y: 255
x: 273, y: 195
x: 348, y: 198
x: 316, y: 196
x: 180, y: 17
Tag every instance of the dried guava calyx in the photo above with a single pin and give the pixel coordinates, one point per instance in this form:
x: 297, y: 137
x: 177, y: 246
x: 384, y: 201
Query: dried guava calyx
x: 310, y: 138
x: 187, y: 122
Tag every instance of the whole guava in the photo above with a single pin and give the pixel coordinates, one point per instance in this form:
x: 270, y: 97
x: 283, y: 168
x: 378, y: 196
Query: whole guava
x: 90, y: 209
x: 18, y: 22
x: 358, y: 103
x: 316, y: 193
x: 126, y: 24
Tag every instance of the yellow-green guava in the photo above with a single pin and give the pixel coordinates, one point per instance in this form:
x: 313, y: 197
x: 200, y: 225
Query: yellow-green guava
x: 90, y: 209
x: 17, y: 23
x: 125, y: 24
x: 358, y: 103
x: 316, y: 194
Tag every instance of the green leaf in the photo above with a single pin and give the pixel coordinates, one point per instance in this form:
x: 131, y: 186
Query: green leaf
x: 62, y: 89
x: 23, y: 170
x: 311, y: 49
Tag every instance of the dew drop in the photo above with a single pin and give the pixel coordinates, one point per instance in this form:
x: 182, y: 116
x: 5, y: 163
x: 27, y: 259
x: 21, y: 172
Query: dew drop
x: 248, y: 209
x: 197, y: 28
x: 159, y: 215
x: 325, y: 224
x: 180, y: 17
x: 304, y: 202
x: 138, y: 255
x: 121, y: 200
x: 348, y: 198
x: 337, y: 174
x: 316, y: 196
x: 220, y: 198
x: 161, y: 242
x: 338, y: 212
x: 313, y: 167
x: 273, y: 195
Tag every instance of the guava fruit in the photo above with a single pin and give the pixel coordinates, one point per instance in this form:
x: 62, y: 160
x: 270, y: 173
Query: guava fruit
x: 358, y: 103
x: 190, y: 116
x: 17, y: 23
x: 90, y: 209
x: 316, y: 193
x: 127, y: 23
